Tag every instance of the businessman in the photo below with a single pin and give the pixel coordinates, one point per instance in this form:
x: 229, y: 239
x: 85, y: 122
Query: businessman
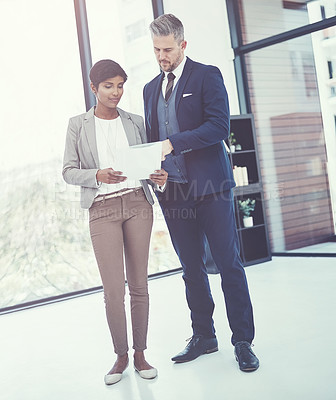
x: 186, y: 107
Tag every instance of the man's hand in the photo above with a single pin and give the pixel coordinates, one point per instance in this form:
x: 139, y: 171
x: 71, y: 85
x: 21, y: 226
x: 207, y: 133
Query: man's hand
x: 160, y: 177
x: 109, y: 175
x: 167, y: 148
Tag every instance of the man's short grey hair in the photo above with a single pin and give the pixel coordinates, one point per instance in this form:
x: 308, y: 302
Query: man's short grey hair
x: 167, y: 24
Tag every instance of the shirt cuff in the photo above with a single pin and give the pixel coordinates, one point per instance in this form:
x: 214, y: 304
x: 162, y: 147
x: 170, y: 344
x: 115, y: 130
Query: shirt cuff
x: 161, y: 188
x: 97, y: 183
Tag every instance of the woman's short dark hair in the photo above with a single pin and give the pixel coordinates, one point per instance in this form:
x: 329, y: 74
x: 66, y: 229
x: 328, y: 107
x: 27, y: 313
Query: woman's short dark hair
x: 105, y: 69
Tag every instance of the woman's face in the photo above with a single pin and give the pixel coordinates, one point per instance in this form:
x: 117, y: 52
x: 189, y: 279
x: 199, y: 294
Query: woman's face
x: 109, y: 92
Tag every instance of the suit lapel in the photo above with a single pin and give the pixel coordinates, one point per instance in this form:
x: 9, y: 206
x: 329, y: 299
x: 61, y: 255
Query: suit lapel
x: 182, y: 81
x: 129, y: 127
x: 153, y: 102
x: 90, y: 133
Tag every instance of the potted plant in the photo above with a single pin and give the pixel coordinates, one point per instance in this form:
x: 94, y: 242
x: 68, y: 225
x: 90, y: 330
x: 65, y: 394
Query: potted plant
x: 233, y: 145
x: 246, y: 207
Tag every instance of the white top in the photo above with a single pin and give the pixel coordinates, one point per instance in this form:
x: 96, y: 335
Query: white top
x: 177, y: 72
x: 110, y: 136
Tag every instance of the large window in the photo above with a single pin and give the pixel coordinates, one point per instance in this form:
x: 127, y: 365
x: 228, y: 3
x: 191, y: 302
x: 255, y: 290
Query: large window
x: 285, y: 103
x: 264, y: 18
x: 290, y: 92
x: 41, y: 243
x: 45, y: 248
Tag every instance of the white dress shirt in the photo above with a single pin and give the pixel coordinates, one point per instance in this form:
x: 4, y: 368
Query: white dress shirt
x: 111, y: 136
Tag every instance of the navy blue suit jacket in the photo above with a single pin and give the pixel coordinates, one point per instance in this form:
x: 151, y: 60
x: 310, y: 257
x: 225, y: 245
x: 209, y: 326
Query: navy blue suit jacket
x: 202, y: 110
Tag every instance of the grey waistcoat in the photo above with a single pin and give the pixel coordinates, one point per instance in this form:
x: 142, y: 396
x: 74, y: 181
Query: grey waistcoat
x: 168, y: 124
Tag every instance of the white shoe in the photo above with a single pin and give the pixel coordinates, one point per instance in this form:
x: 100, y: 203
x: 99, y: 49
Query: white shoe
x: 110, y: 379
x: 147, y: 373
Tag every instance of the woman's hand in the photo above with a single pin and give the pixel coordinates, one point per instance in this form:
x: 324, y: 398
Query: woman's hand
x: 159, y: 177
x: 109, y: 175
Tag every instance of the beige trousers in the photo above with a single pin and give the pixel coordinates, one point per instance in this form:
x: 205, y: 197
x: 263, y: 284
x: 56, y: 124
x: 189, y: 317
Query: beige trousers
x: 121, y: 227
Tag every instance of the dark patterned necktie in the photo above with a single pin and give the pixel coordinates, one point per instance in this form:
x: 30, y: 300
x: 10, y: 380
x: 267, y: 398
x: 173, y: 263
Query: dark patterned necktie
x: 170, y: 85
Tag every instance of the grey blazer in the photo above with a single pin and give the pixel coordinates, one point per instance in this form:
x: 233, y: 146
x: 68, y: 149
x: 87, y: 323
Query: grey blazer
x: 81, y: 163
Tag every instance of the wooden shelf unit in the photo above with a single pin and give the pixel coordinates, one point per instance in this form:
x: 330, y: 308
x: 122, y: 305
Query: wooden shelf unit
x: 254, y: 242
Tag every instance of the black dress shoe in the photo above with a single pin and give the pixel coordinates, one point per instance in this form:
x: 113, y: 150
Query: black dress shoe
x: 197, y: 346
x: 247, y: 360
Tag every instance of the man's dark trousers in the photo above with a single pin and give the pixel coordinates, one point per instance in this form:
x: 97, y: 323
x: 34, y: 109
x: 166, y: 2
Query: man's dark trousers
x: 189, y: 220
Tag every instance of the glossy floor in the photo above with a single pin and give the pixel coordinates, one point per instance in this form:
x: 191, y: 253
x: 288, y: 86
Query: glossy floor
x: 62, y: 351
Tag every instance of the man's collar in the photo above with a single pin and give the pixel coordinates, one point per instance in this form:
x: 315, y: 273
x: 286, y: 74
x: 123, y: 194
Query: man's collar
x: 178, y: 70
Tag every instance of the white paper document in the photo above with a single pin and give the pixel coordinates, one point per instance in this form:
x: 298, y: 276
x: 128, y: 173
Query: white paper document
x: 139, y: 161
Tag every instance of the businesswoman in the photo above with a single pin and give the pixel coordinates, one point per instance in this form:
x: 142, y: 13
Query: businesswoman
x: 120, y: 210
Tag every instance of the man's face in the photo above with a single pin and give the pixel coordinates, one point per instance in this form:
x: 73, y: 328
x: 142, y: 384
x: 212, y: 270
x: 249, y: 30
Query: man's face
x: 168, y: 52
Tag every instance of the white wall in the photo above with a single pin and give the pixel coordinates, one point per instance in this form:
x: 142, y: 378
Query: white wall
x: 208, y: 36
